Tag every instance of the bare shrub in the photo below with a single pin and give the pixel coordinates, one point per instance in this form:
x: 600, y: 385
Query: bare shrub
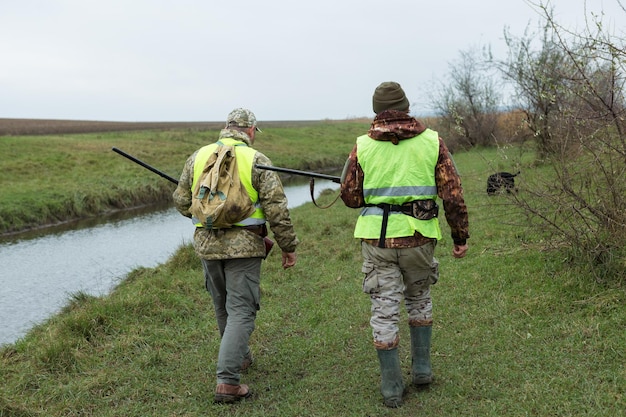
x: 468, y: 105
x: 511, y: 127
x: 572, y: 93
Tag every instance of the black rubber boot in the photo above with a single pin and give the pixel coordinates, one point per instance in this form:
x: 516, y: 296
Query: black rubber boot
x: 421, y: 369
x: 391, y: 385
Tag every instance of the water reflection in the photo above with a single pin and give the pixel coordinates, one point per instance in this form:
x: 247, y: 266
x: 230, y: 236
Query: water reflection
x: 40, y: 270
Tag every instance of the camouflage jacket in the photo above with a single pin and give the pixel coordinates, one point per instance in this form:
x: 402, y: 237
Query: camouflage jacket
x: 392, y: 126
x: 238, y: 242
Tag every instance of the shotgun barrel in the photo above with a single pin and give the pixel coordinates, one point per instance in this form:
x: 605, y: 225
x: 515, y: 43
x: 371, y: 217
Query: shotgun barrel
x: 143, y: 164
x: 309, y: 174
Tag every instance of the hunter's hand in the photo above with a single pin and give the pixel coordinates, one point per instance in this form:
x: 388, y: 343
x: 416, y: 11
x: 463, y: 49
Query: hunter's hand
x: 459, y: 251
x: 289, y: 259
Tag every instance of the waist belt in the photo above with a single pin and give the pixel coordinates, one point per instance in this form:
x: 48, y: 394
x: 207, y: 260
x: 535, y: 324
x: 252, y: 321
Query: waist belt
x: 260, y: 229
x: 419, y: 209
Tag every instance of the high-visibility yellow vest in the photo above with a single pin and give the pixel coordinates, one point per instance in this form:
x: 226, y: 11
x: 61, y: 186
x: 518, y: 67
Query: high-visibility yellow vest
x: 245, y: 156
x: 397, y: 174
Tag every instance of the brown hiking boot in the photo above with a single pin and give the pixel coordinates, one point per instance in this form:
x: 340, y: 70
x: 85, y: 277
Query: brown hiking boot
x: 226, y: 393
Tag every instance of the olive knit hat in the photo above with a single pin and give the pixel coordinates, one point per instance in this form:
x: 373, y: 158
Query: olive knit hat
x: 389, y: 96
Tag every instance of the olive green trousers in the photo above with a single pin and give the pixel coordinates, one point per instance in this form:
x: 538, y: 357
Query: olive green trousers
x: 234, y: 285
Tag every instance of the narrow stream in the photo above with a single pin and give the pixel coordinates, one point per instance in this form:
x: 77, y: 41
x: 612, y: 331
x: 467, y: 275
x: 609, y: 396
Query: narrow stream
x: 38, y: 273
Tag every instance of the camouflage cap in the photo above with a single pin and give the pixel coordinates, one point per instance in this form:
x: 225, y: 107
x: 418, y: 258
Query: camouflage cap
x: 242, y: 117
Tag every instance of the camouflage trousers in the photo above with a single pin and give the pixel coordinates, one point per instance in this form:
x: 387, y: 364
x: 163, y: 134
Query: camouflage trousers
x: 393, y: 276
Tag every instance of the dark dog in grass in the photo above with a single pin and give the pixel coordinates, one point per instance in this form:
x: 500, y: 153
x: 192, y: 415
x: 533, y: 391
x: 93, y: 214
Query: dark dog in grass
x: 500, y: 182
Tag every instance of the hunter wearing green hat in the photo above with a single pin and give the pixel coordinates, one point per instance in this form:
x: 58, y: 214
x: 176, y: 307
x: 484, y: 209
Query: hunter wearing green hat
x: 395, y: 173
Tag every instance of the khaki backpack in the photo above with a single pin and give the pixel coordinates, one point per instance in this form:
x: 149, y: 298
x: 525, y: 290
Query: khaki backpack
x: 219, y: 199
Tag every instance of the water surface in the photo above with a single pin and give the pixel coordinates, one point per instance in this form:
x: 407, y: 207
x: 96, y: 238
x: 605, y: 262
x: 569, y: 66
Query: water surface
x: 39, y: 271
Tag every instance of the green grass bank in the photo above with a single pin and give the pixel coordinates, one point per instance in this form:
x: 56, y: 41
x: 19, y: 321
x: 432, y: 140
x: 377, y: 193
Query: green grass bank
x: 516, y: 333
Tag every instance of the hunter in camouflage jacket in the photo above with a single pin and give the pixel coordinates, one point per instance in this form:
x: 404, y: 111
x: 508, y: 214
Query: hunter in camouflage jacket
x: 394, y: 125
x: 239, y: 242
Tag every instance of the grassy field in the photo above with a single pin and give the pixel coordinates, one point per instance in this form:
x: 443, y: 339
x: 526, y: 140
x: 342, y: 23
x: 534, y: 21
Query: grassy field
x: 57, y: 177
x: 516, y: 333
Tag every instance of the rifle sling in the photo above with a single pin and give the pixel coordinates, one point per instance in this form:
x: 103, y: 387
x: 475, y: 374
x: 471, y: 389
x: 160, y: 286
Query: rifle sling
x: 312, y: 189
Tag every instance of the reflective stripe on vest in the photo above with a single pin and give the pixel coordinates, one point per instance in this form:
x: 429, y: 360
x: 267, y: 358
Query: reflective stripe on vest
x: 397, y: 174
x: 245, y: 156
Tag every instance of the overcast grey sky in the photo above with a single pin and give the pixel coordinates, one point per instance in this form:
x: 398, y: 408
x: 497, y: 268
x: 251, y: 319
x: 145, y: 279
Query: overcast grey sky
x: 195, y: 60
